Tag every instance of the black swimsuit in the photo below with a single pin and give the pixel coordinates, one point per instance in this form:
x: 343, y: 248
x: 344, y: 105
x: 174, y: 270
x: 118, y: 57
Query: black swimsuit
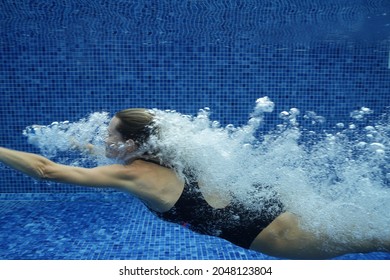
x: 235, y: 223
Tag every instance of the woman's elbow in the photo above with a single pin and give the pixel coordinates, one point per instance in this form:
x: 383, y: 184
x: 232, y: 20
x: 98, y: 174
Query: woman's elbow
x: 44, y: 170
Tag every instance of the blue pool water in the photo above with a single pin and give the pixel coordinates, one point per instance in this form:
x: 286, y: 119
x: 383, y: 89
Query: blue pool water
x: 62, y: 60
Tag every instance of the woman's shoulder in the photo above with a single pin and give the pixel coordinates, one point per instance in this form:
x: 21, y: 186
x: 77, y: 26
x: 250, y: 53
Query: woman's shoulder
x: 158, y: 186
x: 142, y: 166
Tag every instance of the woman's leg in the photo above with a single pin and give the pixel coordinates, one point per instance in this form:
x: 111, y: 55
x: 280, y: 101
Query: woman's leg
x: 286, y: 239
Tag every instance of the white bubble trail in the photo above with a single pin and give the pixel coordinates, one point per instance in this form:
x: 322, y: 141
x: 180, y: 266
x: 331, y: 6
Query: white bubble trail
x: 337, y: 181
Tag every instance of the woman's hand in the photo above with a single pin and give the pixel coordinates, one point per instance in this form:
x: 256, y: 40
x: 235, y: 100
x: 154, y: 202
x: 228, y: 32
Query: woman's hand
x: 89, y: 148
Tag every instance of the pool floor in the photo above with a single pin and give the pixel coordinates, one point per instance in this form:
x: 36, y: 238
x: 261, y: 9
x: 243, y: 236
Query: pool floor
x: 105, y: 226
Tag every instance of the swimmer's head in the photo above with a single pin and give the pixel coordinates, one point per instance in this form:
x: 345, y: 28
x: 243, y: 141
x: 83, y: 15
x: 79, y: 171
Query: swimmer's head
x: 134, y: 124
x: 127, y: 131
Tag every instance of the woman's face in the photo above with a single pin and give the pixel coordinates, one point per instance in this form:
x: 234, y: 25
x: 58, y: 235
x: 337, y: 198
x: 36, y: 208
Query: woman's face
x: 114, y: 141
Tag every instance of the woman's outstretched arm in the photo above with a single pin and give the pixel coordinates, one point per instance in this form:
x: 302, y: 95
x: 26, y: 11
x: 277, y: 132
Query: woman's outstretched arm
x: 30, y: 164
x: 39, y: 167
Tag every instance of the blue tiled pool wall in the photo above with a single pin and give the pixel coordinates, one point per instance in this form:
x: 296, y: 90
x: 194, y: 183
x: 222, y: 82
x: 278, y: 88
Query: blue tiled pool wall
x: 62, y: 61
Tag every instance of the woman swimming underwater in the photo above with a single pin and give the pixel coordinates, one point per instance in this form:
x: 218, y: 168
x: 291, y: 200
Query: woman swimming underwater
x: 185, y: 198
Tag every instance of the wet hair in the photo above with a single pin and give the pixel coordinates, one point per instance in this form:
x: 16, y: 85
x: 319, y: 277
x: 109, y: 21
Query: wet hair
x: 135, y: 124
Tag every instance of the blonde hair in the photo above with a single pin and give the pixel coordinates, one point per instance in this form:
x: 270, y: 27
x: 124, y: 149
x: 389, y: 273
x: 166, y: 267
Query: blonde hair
x: 135, y: 124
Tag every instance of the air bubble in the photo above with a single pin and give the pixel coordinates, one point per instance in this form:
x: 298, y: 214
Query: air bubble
x: 377, y: 146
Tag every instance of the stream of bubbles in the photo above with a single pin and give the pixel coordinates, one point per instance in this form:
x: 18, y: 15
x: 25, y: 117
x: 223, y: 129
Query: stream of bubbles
x: 337, y: 182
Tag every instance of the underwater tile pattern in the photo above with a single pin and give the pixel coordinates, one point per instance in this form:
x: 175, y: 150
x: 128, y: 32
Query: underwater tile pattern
x: 100, y: 227
x: 61, y: 60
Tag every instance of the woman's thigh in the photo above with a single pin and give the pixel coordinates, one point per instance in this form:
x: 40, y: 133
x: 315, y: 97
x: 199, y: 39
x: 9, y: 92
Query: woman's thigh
x: 285, y: 238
